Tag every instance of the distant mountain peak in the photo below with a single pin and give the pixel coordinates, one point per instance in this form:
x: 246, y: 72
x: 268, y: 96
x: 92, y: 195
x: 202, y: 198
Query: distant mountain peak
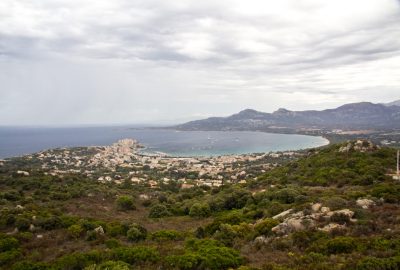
x: 248, y: 111
x: 362, y: 115
x: 282, y: 111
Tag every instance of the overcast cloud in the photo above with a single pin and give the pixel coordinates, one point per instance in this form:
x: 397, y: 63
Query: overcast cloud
x: 123, y: 61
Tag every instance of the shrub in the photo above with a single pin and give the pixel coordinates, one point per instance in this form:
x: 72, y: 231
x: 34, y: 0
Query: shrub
x: 134, y: 255
x: 115, y: 229
x: 164, y: 235
x: 186, y: 261
x: 8, y: 243
x: 275, y: 208
x: 336, y: 203
x: 200, y: 210
x: 341, y: 245
x: 24, y: 236
x: 136, y: 233
x: 27, y: 265
x: 340, y: 218
x: 286, y: 195
x: 51, y: 223
x: 8, y: 256
x: 75, y: 231
x: 209, y: 254
x: 125, y: 203
x: 226, y: 234
x: 110, y: 265
x: 79, y: 260
x: 22, y: 223
x: 92, y: 236
x: 112, y: 243
x: 304, y: 239
x: 72, y: 261
x: 371, y: 263
x: 159, y: 211
x: 264, y: 227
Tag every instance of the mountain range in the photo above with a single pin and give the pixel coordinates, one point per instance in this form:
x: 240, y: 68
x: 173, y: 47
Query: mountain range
x: 363, y: 115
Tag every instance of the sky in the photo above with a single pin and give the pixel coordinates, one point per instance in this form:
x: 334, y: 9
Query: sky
x: 78, y: 62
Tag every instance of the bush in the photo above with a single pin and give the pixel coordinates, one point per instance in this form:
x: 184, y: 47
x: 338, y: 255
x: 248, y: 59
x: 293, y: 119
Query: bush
x: 186, y: 261
x: 165, y: 235
x: 79, y: 260
x: 134, y: 255
x: 125, y: 203
x: 8, y: 256
x: 336, y: 203
x: 341, y: 245
x: 340, y: 218
x: 371, y: 263
x: 264, y: 227
x: 75, y: 231
x: 8, y: 243
x: 206, y: 254
x: 110, y: 265
x: 114, y: 229
x: 200, y: 210
x: 304, y: 239
x: 226, y: 234
x: 159, y: 211
x: 22, y: 223
x: 286, y: 195
x: 112, y: 243
x: 27, y: 265
x: 136, y: 233
x: 51, y: 223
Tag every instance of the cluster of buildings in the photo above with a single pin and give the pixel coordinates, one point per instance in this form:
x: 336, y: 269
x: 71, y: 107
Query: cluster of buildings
x: 124, y: 161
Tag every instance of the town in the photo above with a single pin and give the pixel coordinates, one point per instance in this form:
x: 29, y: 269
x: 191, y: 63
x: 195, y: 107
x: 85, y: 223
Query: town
x: 126, y: 160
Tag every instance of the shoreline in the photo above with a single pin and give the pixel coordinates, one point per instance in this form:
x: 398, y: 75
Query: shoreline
x: 143, y: 149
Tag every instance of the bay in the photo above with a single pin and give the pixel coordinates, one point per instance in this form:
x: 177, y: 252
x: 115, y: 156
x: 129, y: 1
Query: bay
x: 17, y: 141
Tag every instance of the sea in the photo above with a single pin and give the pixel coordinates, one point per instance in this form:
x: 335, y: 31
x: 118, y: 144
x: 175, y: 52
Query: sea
x: 18, y: 141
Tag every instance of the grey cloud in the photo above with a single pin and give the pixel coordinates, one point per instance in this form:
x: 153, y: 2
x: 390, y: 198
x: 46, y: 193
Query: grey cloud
x: 115, y: 60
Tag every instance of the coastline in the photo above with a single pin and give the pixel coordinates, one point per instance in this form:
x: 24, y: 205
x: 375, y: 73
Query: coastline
x: 145, y: 149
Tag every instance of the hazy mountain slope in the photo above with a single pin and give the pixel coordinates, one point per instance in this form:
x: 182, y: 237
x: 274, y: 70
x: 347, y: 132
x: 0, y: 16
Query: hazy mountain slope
x: 356, y: 115
x: 394, y: 103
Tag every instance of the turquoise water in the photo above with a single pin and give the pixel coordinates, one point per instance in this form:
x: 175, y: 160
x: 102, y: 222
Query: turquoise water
x: 20, y: 141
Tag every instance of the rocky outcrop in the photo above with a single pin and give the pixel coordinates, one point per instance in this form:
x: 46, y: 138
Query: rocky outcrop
x: 359, y: 146
x: 283, y: 214
x: 318, y: 217
x: 365, y: 203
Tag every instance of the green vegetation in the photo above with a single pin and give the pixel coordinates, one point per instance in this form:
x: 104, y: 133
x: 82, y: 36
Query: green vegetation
x: 70, y: 221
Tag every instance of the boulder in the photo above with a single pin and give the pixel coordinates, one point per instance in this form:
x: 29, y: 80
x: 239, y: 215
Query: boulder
x: 19, y: 207
x: 345, y: 212
x: 281, y: 229
x: 332, y: 226
x: 23, y: 173
x: 316, y: 207
x: 300, y: 224
x: 99, y: 230
x: 261, y: 240
x: 295, y: 224
x: 365, y: 203
x: 283, y: 214
x: 325, y: 210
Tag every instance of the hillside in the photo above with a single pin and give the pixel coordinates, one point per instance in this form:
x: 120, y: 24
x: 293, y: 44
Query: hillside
x: 364, y: 115
x: 331, y: 208
x: 394, y: 103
